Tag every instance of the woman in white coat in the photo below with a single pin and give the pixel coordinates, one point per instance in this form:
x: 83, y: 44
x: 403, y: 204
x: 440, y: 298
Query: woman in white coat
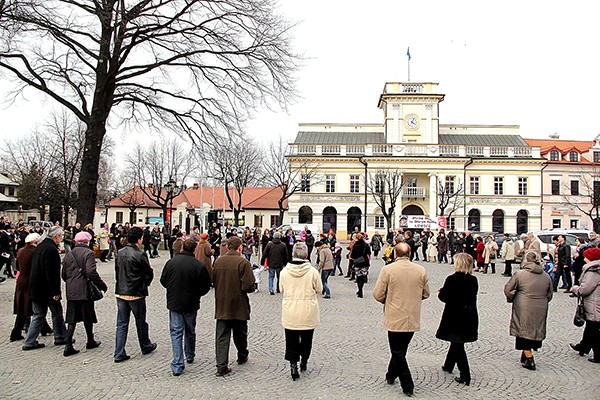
x: 299, y: 284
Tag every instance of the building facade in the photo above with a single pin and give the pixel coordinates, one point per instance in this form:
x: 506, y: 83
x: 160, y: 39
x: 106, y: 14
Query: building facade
x: 485, y: 177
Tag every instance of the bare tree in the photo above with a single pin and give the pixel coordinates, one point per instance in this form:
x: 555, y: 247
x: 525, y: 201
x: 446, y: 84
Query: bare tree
x: 587, y: 197
x: 279, y: 172
x: 130, y: 194
x: 449, y: 195
x: 385, y: 185
x: 238, y: 165
x: 195, y: 67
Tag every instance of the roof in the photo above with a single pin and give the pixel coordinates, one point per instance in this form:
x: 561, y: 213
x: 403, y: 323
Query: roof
x: 5, y: 180
x: 136, y: 196
x: 482, y: 140
x: 339, y: 137
x: 264, y: 198
x: 563, y: 146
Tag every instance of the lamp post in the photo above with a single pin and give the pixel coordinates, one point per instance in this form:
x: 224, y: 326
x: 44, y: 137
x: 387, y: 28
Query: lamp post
x: 171, y: 187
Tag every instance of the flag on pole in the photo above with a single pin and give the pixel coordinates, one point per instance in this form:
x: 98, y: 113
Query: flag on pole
x: 408, y: 52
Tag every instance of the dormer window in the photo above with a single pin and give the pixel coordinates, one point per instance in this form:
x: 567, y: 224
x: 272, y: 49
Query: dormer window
x: 554, y: 155
x: 574, y: 156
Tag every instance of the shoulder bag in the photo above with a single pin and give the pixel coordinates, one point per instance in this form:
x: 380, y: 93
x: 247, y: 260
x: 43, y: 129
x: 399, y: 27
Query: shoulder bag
x: 579, y: 318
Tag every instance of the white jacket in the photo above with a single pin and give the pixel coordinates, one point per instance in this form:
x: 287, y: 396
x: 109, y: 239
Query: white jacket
x: 300, y: 283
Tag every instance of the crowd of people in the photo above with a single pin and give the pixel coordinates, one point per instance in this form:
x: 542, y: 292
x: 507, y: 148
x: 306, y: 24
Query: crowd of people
x: 204, y: 260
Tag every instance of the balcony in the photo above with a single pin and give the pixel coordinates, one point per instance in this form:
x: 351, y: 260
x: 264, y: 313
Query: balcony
x: 413, y: 192
x: 413, y: 150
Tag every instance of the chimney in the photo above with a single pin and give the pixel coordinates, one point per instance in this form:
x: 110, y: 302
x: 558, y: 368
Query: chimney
x: 555, y: 135
x: 195, y: 186
x: 150, y: 185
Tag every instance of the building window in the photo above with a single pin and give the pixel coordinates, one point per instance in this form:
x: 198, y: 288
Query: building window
x: 11, y: 190
x: 474, y: 185
x: 597, y: 156
x: 596, y: 199
x: 258, y: 220
x: 451, y: 223
x: 354, y: 183
x: 555, y: 187
x: 379, y: 222
x: 2, y: 187
x: 449, y: 185
x: 498, y: 185
x: 275, y: 220
x: 574, y: 156
x: 330, y: 183
x: 556, y: 223
x: 523, y: 186
x: 379, y: 184
x: 574, y: 188
x: 305, y: 183
x: 119, y: 217
x: 574, y: 224
x: 554, y: 155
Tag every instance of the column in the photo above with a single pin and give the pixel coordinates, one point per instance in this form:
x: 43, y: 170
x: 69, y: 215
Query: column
x: 433, y: 196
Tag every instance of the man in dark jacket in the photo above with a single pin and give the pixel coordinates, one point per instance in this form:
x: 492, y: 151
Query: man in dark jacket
x: 563, y: 265
x: 233, y: 280
x: 133, y: 274
x: 276, y: 255
x: 45, y: 290
x: 186, y: 280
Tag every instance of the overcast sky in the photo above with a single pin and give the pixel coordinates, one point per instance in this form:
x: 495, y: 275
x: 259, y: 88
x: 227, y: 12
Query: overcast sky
x: 528, y: 63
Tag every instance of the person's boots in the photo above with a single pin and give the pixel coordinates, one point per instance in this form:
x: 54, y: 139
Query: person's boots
x: 69, y: 350
x: 303, y: 364
x: 493, y: 269
x: 529, y: 363
x: 294, y: 370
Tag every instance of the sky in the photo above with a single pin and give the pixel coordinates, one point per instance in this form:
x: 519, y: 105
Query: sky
x: 528, y: 63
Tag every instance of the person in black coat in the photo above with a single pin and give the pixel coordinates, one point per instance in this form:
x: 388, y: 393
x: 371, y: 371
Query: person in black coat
x: 186, y: 280
x: 45, y: 290
x: 460, y: 321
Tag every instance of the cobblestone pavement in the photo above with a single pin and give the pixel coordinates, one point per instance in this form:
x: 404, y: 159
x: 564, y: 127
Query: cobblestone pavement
x: 349, y: 359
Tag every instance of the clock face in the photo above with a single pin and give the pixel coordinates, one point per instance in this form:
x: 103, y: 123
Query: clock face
x: 412, y: 121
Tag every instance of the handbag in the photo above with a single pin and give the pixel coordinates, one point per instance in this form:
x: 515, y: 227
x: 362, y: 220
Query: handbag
x: 359, y: 260
x: 93, y: 293
x: 579, y: 318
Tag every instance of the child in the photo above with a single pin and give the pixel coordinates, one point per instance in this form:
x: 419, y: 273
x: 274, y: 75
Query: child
x: 388, y: 255
x: 337, y: 259
x: 256, y: 270
x: 549, y: 267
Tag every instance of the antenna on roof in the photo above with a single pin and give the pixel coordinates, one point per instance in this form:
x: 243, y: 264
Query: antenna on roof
x: 408, y: 55
x: 555, y: 135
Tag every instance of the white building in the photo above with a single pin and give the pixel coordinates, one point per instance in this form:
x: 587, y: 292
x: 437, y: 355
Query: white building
x: 493, y: 173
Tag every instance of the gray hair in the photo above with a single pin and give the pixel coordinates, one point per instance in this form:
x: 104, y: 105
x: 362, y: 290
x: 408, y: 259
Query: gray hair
x: 55, y: 231
x: 532, y: 256
x: 277, y: 235
x: 300, y: 251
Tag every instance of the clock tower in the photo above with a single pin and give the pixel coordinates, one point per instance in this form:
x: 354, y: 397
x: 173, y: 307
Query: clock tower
x: 411, y: 112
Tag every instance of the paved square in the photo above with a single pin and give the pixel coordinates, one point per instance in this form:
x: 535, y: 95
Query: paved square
x: 349, y: 360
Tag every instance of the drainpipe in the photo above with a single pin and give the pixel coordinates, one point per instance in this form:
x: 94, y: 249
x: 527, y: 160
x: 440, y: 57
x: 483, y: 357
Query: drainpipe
x: 542, y: 195
x: 465, y: 217
x: 364, y: 162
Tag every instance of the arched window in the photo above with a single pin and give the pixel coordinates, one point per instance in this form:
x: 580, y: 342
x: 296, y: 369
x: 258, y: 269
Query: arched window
x: 474, y: 220
x: 354, y: 219
x: 305, y: 215
x: 554, y: 155
x: 329, y: 219
x: 574, y: 156
x: 498, y: 221
x: 522, y: 222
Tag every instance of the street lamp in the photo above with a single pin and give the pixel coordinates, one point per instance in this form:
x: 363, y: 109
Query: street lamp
x: 171, y: 187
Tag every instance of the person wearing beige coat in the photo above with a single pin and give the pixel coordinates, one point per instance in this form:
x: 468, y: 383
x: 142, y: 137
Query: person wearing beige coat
x: 299, y: 284
x: 401, y: 287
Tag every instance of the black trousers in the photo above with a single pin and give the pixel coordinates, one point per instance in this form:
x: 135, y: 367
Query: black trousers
x: 458, y: 356
x: 298, y: 344
x: 398, y: 367
x: 591, y: 338
x: 508, y: 267
x: 223, y: 338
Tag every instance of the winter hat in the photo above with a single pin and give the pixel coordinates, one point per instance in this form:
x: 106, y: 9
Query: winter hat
x: 32, y: 237
x: 593, y: 253
x: 546, y: 258
x: 204, y: 236
x: 83, y: 237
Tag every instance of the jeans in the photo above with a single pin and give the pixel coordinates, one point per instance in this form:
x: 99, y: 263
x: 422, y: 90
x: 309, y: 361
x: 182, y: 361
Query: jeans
x: 298, y: 343
x: 336, y: 265
x: 443, y: 256
x: 180, y: 324
x: 272, y: 273
x: 248, y: 256
x: 398, y: 367
x: 39, y: 317
x: 223, y: 338
x: 324, y: 276
x: 124, y: 310
x: 457, y: 355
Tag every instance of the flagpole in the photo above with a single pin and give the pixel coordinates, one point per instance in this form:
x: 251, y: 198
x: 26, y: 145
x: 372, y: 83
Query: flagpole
x: 408, y: 55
